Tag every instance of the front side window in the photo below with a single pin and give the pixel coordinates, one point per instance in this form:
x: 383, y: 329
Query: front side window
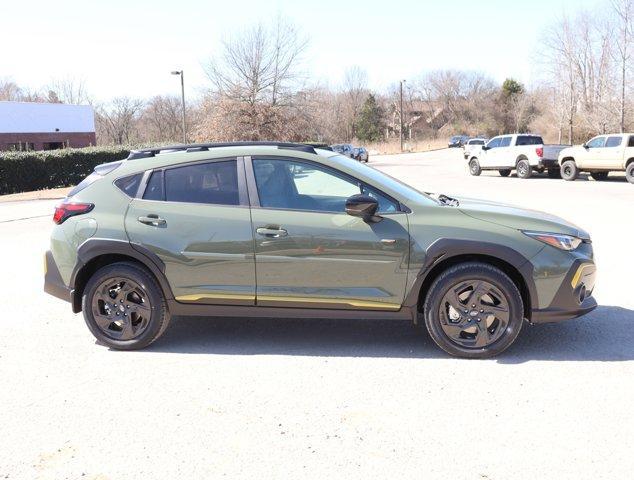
x: 296, y: 185
x: 505, y: 141
x: 596, y: 142
x: 494, y: 142
x: 213, y: 183
x: 613, y: 142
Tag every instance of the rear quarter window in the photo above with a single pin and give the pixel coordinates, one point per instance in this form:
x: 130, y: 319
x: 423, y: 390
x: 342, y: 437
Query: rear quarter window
x: 130, y: 184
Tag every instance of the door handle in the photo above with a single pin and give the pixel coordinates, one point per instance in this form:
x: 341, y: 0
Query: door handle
x: 271, y: 232
x: 153, y: 220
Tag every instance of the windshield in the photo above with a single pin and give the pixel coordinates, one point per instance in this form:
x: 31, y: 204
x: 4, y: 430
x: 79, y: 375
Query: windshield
x: 382, y: 179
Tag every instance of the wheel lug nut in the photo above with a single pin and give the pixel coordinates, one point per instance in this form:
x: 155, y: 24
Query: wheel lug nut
x: 473, y: 306
x: 481, y: 311
x: 469, y: 320
x: 478, y: 320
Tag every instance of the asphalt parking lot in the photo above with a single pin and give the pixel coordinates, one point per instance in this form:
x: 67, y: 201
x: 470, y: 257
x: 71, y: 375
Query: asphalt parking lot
x: 240, y: 398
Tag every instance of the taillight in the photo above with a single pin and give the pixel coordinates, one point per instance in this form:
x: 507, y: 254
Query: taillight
x: 539, y: 151
x: 67, y: 210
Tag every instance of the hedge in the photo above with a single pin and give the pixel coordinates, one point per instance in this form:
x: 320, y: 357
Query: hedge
x: 26, y: 171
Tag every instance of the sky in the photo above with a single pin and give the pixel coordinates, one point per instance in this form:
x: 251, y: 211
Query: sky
x: 129, y: 47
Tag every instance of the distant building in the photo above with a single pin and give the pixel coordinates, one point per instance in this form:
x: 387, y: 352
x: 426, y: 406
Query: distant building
x: 45, y: 126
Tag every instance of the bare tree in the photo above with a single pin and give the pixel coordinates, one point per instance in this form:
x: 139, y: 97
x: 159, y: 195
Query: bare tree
x: 624, y: 11
x: 69, y: 90
x: 9, y: 90
x: 255, y: 80
x: 161, y: 119
x: 117, y: 122
x: 354, y: 92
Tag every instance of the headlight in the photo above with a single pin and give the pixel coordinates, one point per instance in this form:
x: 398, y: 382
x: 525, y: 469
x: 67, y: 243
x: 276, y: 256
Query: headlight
x: 557, y: 240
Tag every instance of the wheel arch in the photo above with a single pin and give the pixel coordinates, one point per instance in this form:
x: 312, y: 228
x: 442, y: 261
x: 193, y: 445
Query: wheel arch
x: 520, y: 158
x: 628, y: 161
x: 445, y: 253
x: 94, y: 254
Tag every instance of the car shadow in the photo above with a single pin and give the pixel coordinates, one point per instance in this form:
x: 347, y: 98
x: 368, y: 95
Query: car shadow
x: 607, y: 334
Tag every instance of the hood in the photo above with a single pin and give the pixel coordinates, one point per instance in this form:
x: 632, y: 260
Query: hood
x: 518, y: 218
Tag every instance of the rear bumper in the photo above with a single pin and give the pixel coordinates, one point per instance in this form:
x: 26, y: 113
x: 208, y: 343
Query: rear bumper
x: 548, y: 163
x: 53, y: 283
x: 574, y: 297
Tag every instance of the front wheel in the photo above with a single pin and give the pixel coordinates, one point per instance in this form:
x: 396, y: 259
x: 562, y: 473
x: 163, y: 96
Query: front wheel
x: 124, y: 306
x: 599, y: 176
x: 524, y: 169
x: 505, y: 172
x: 473, y: 310
x: 629, y: 172
x: 474, y: 167
x: 569, y: 170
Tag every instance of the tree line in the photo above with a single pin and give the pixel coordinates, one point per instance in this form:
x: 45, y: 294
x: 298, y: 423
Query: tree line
x: 258, y: 90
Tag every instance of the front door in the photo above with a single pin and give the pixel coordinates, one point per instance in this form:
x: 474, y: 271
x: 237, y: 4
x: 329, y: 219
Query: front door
x: 196, y: 219
x: 592, y: 157
x: 310, y: 253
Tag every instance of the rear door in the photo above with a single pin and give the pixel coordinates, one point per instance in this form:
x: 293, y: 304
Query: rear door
x: 196, y: 218
x: 612, y: 154
x: 310, y: 253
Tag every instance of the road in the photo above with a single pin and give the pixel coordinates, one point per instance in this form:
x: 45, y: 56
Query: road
x: 274, y: 398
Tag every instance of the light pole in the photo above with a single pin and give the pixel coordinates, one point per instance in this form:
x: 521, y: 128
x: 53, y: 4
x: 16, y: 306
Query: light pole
x: 180, y: 72
x: 401, y: 115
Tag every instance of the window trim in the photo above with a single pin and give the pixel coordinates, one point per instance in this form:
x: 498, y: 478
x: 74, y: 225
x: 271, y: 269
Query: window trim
x: 254, y: 198
x: 243, y: 196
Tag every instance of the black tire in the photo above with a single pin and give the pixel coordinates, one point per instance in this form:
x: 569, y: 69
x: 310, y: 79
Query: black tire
x: 145, y: 287
x: 554, y: 173
x: 505, y: 172
x: 524, y: 169
x: 629, y: 172
x: 569, y: 170
x: 599, y: 176
x: 474, y: 167
x: 438, y: 319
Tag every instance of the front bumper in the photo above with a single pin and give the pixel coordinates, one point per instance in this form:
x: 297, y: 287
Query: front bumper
x: 53, y: 283
x: 574, y: 296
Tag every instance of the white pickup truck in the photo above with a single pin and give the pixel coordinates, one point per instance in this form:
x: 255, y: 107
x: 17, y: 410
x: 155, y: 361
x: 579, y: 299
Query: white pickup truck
x: 600, y: 156
x: 521, y: 152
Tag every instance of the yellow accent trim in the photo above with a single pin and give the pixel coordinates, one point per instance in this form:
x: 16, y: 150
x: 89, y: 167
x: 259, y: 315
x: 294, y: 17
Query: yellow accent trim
x: 268, y: 298
x: 341, y: 301
x: 577, y: 277
x: 215, y: 296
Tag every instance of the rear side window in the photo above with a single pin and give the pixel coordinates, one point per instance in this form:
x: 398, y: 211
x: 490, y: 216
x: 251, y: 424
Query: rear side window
x: 154, y: 188
x: 529, y: 140
x: 630, y: 143
x: 613, y: 141
x: 212, y: 183
x: 505, y: 141
x: 130, y: 184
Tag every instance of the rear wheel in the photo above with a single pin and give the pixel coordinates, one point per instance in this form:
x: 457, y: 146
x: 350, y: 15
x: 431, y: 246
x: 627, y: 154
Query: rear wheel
x: 505, y: 172
x: 124, y: 306
x: 473, y: 310
x: 474, y: 167
x: 599, y: 176
x: 524, y: 169
x: 629, y: 172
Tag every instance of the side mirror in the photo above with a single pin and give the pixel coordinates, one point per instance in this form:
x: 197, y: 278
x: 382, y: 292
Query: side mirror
x: 363, y: 206
x: 485, y: 148
x: 586, y: 146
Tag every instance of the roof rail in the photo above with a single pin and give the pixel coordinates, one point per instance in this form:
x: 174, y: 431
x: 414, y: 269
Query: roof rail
x: 202, y: 147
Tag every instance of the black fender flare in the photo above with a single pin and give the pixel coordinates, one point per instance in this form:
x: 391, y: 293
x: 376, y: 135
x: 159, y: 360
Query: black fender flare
x: 96, y: 247
x: 446, y: 248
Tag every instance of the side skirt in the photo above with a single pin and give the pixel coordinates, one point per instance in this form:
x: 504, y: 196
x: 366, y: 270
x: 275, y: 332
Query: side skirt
x: 177, y: 308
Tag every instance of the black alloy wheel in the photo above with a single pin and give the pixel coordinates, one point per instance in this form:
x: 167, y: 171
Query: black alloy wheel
x: 121, y: 308
x: 474, y: 313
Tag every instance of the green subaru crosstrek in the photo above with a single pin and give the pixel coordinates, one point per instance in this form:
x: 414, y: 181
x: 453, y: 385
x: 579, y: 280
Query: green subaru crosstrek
x: 286, y: 230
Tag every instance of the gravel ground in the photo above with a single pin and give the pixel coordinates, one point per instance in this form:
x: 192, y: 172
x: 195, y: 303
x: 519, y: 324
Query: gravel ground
x: 240, y: 398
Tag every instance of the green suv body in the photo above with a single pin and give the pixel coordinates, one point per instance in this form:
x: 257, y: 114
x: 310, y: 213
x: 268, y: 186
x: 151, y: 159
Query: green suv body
x: 275, y: 230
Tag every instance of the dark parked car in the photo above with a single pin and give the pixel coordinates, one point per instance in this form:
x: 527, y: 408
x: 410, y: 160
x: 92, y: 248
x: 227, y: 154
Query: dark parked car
x: 344, y: 149
x: 361, y: 154
x: 457, y: 141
